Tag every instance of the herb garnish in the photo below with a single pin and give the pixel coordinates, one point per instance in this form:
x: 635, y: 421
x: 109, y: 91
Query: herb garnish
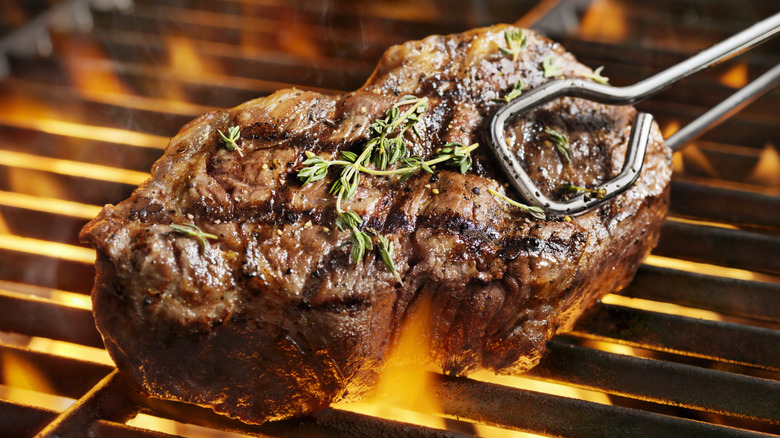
x: 536, y: 212
x: 516, y: 42
x: 552, y: 66
x: 386, y: 146
x: 569, y: 190
x: 597, y: 77
x: 386, y: 150
x: 517, y: 90
x: 230, y: 140
x: 561, y: 143
x: 194, y: 231
x: 385, y: 248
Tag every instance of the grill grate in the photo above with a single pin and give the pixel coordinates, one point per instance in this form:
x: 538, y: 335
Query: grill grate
x: 688, y: 349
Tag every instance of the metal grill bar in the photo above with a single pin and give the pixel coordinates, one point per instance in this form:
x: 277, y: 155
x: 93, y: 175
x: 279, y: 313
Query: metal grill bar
x: 662, y: 382
x: 139, y: 44
x: 708, y: 201
x: 730, y: 296
x: 18, y: 420
x: 68, y: 377
x: 558, y: 416
x: 735, y: 248
x: 109, y: 399
x: 715, y: 340
x: 46, y: 270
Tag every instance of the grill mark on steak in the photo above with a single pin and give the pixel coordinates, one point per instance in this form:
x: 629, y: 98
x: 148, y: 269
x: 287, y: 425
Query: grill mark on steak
x: 272, y: 319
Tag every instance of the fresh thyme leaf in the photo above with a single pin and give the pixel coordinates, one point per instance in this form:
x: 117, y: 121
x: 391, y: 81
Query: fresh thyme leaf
x: 347, y: 220
x: 387, y: 144
x: 561, y: 143
x: 597, y: 77
x: 349, y: 156
x: 458, y: 156
x: 516, y: 42
x: 234, y: 133
x: 385, y: 248
x: 360, y: 243
x: 193, y: 231
x: 516, y: 91
x: 552, y: 66
x: 569, y: 190
x: 536, y: 212
x: 315, y: 170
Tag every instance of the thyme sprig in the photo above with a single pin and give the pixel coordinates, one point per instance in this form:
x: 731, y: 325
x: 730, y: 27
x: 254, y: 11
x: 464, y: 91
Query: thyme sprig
x: 597, y: 77
x: 552, y: 66
x: 536, y: 212
x: 561, y: 143
x: 569, y: 190
x: 451, y: 154
x: 516, y: 42
x: 516, y: 91
x: 193, y: 231
x: 386, y: 146
x: 229, y: 140
x: 385, y: 248
x: 386, y: 149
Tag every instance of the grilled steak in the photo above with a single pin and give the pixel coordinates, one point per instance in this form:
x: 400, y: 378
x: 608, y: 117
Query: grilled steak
x: 272, y: 318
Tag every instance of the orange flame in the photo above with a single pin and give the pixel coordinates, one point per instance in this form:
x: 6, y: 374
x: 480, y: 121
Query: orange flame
x: 605, y: 20
x: 736, y: 76
x: 767, y: 171
x: 670, y: 128
x: 87, y: 77
x: 404, y: 391
x: 698, y: 163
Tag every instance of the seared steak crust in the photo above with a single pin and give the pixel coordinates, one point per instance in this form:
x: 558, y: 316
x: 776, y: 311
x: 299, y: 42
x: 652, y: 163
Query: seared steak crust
x: 272, y: 319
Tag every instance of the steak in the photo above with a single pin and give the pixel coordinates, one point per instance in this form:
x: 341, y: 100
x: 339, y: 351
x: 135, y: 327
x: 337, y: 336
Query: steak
x: 224, y: 280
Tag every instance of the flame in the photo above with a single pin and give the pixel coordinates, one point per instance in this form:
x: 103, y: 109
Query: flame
x: 23, y: 383
x: 696, y: 162
x: 605, y: 20
x: 670, y: 128
x: 404, y: 391
x: 767, y: 171
x: 186, y: 63
x: 736, y: 76
x: 86, y: 78
x: 4, y: 228
x: 185, y: 60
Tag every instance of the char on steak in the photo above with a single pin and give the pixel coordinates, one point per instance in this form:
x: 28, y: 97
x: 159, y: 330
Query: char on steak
x: 272, y: 319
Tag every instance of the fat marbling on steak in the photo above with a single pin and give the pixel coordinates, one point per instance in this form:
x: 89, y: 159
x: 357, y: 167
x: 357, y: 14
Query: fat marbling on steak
x: 272, y: 318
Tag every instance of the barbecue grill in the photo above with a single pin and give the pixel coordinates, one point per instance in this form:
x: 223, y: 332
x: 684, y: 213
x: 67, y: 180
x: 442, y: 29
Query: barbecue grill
x: 92, y: 90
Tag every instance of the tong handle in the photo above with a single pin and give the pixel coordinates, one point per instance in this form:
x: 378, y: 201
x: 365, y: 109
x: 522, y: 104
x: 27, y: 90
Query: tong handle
x: 734, y: 45
x: 640, y: 133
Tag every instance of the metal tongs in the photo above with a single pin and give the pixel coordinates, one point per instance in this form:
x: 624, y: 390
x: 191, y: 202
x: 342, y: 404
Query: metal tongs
x: 640, y: 133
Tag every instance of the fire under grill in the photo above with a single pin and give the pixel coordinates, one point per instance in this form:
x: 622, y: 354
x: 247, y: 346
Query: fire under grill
x: 691, y: 348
